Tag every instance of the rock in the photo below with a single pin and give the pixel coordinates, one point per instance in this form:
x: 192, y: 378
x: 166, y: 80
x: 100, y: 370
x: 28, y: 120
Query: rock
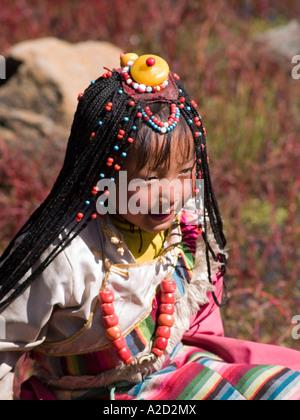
x: 39, y: 96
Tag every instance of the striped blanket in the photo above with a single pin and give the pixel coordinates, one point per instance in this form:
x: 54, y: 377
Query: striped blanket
x: 198, y: 375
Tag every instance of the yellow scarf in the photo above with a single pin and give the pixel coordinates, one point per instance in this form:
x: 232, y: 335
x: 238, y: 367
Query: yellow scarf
x: 145, y: 246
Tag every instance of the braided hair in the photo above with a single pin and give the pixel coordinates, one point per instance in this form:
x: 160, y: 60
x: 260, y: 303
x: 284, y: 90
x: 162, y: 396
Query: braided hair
x: 105, y: 124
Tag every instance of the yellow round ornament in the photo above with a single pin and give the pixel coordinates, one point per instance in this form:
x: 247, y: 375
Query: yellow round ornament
x: 127, y: 57
x: 150, y: 70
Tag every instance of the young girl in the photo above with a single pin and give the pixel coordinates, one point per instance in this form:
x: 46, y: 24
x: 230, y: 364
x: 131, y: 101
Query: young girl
x: 112, y: 292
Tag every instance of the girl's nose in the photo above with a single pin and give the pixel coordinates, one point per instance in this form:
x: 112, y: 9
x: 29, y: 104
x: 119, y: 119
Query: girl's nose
x: 167, y: 196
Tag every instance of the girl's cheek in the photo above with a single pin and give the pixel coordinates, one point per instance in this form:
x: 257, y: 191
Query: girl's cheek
x: 138, y: 201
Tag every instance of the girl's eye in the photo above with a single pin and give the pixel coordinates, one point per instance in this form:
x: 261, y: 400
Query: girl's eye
x: 149, y: 179
x: 186, y: 171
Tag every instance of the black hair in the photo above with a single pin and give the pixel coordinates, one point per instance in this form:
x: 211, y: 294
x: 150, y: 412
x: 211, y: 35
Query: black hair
x: 157, y: 155
x: 105, y: 124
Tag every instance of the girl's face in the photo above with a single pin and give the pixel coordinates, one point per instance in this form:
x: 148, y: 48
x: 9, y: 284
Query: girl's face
x: 154, y: 196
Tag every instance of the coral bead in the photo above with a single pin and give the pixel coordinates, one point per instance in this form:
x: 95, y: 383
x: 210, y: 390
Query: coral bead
x: 161, y: 343
x: 166, y: 320
x: 124, y: 353
x: 79, y: 217
x: 110, y: 321
x: 107, y: 309
x: 150, y: 62
x: 166, y: 308
x: 113, y: 333
x: 95, y: 190
x: 129, y: 360
x: 157, y: 351
x: 106, y: 296
x: 168, y: 298
x: 119, y: 343
x: 168, y: 286
x: 163, y: 331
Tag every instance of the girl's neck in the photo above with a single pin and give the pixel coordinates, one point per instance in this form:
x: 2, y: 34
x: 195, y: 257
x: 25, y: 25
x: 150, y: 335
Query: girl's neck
x: 145, y: 246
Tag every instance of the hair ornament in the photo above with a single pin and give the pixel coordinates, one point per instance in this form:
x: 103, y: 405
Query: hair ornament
x: 158, y: 125
x: 145, y: 74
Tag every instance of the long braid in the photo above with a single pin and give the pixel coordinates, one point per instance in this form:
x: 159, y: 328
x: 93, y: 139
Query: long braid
x: 210, y: 202
x: 59, y: 208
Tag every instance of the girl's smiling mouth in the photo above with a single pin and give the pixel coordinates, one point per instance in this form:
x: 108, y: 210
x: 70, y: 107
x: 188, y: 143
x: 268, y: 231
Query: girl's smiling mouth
x: 162, y: 217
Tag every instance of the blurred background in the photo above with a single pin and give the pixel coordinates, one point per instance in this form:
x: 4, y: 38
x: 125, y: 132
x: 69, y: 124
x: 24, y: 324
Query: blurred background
x: 235, y: 58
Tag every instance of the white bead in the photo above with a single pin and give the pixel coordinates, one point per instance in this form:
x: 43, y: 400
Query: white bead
x: 149, y: 89
x: 142, y: 88
x: 166, y: 124
x: 163, y: 130
x: 135, y: 86
x: 129, y: 81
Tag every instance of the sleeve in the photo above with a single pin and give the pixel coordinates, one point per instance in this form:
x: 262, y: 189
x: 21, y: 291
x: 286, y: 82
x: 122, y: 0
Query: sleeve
x: 23, y: 324
x: 208, y: 319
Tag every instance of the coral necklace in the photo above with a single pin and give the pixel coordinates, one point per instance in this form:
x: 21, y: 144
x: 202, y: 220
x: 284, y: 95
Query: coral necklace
x: 165, y: 320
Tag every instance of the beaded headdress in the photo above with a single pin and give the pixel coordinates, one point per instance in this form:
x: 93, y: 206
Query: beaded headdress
x: 145, y: 80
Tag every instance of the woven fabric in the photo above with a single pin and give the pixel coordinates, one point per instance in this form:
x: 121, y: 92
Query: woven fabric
x: 198, y: 375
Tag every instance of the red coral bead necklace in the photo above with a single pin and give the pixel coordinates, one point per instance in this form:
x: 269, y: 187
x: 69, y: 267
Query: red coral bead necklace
x: 165, y: 320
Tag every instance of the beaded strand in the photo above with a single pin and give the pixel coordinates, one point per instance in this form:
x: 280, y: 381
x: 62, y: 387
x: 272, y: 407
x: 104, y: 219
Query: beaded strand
x: 140, y: 87
x: 159, y: 125
x: 165, y: 320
